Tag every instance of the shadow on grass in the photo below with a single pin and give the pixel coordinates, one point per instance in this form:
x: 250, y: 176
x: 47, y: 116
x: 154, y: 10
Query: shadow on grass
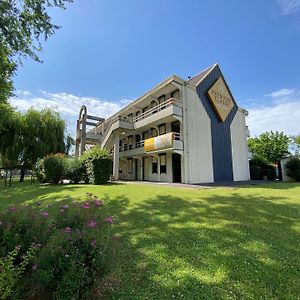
x: 217, y: 247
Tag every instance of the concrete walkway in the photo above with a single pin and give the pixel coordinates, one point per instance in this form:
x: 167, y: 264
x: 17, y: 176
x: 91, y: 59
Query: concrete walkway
x: 225, y: 184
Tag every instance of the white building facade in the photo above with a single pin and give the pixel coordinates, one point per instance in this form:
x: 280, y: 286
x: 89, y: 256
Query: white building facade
x: 188, y: 131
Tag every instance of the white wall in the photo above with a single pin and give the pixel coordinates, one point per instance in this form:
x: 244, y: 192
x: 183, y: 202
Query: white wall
x: 239, y: 147
x: 160, y: 177
x: 197, y: 140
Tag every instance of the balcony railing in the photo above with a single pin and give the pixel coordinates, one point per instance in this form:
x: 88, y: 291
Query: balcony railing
x: 157, y: 108
x: 140, y: 144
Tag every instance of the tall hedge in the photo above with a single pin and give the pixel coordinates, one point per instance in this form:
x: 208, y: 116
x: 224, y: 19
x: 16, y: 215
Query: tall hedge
x: 293, y: 168
x: 260, y: 167
x: 98, y: 165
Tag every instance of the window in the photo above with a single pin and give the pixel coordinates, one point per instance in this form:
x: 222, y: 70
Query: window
x: 130, y: 117
x: 162, y: 129
x: 175, y: 94
x: 137, y: 113
x: 161, y: 99
x: 130, y: 165
x: 154, y: 165
x: 153, y: 132
x: 145, y: 135
x: 130, y: 140
x: 145, y: 109
x: 163, y: 163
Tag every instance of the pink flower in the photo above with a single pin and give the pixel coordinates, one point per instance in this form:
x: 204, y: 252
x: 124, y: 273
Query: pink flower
x: 67, y: 230
x: 34, y: 267
x: 91, y: 223
x: 86, y: 205
x: 98, y: 202
x: 109, y: 220
x: 13, y: 208
x: 93, y: 243
x: 45, y: 214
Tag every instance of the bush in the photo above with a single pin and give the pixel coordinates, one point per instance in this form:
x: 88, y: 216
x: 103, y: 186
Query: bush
x: 98, y: 166
x: 74, y: 170
x: 40, y: 171
x: 54, y: 166
x: 293, y: 168
x: 54, y: 252
x: 260, y: 167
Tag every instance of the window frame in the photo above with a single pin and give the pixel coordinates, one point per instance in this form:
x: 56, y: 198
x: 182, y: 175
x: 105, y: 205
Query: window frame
x: 163, y: 168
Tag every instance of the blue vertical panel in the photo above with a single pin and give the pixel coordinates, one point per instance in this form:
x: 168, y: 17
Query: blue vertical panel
x: 220, y: 131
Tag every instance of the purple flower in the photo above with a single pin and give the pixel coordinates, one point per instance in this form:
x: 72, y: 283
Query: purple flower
x: 93, y: 243
x: 98, y: 202
x: 109, y: 220
x: 86, y: 205
x: 65, y: 206
x: 91, y: 223
x: 67, y: 230
x: 45, y: 214
x: 34, y: 267
x: 13, y: 208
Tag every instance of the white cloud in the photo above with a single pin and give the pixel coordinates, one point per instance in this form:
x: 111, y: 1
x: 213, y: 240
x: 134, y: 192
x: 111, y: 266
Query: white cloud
x: 282, y: 114
x: 288, y: 7
x: 68, y: 105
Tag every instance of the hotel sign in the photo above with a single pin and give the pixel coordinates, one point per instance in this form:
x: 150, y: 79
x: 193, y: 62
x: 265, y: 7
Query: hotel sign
x: 220, y: 99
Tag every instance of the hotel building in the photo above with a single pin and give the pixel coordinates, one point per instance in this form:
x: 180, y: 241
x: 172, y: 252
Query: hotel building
x: 189, y: 131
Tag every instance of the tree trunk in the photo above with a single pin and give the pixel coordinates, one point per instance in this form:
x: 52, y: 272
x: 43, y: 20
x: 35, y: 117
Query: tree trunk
x: 10, y: 177
x: 5, y: 179
x: 22, y: 174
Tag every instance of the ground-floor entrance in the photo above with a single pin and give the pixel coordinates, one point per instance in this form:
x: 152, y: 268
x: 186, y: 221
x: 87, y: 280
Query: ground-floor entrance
x: 176, y: 167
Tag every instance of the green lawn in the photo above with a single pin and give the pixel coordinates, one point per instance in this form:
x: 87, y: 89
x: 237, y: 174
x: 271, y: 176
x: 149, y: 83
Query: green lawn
x: 180, y: 243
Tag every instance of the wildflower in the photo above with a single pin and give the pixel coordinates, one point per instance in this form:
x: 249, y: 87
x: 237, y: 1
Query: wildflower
x: 67, y: 230
x: 91, y: 223
x: 34, y: 267
x: 61, y: 210
x: 66, y: 255
x: 109, y: 220
x: 93, y: 243
x: 45, y: 214
x: 65, y: 206
x: 86, y: 205
x: 18, y: 247
x: 1, y: 223
x: 13, y: 208
x: 98, y: 202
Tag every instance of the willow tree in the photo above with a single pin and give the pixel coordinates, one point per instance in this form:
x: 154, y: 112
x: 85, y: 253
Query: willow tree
x: 10, y: 138
x: 43, y: 132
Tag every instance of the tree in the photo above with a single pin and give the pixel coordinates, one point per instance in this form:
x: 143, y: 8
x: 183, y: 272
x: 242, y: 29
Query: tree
x: 296, y: 141
x: 42, y: 134
x: 23, y: 24
x: 69, y: 142
x: 273, y: 146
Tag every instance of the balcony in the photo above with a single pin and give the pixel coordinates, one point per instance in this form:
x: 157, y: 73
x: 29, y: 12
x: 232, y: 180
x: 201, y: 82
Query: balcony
x: 162, y: 143
x: 163, y: 112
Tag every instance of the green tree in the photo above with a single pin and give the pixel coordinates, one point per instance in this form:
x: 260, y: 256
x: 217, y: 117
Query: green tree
x: 23, y: 25
x: 296, y: 141
x: 69, y: 142
x: 43, y: 132
x: 272, y: 146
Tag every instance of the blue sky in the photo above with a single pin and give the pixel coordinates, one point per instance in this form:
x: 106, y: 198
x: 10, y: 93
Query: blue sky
x: 110, y: 52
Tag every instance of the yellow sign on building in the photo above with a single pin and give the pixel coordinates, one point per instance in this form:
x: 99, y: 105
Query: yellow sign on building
x: 159, y: 142
x: 220, y: 99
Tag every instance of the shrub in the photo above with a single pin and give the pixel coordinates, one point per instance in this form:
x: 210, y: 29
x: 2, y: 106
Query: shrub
x: 97, y: 163
x: 260, y: 167
x: 40, y: 171
x: 293, y: 168
x: 54, y: 166
x: 74, y: 170
x: 69, y: 249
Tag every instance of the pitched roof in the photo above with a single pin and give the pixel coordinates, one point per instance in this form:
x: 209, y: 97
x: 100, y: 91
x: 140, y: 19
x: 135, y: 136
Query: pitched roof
x: 197, y: 78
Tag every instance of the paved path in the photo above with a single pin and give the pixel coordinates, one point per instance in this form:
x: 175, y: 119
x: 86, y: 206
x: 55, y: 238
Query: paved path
x: 197, y: 186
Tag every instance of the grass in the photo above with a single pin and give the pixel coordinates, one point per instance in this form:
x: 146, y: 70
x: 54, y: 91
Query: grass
x: 181, y: 243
